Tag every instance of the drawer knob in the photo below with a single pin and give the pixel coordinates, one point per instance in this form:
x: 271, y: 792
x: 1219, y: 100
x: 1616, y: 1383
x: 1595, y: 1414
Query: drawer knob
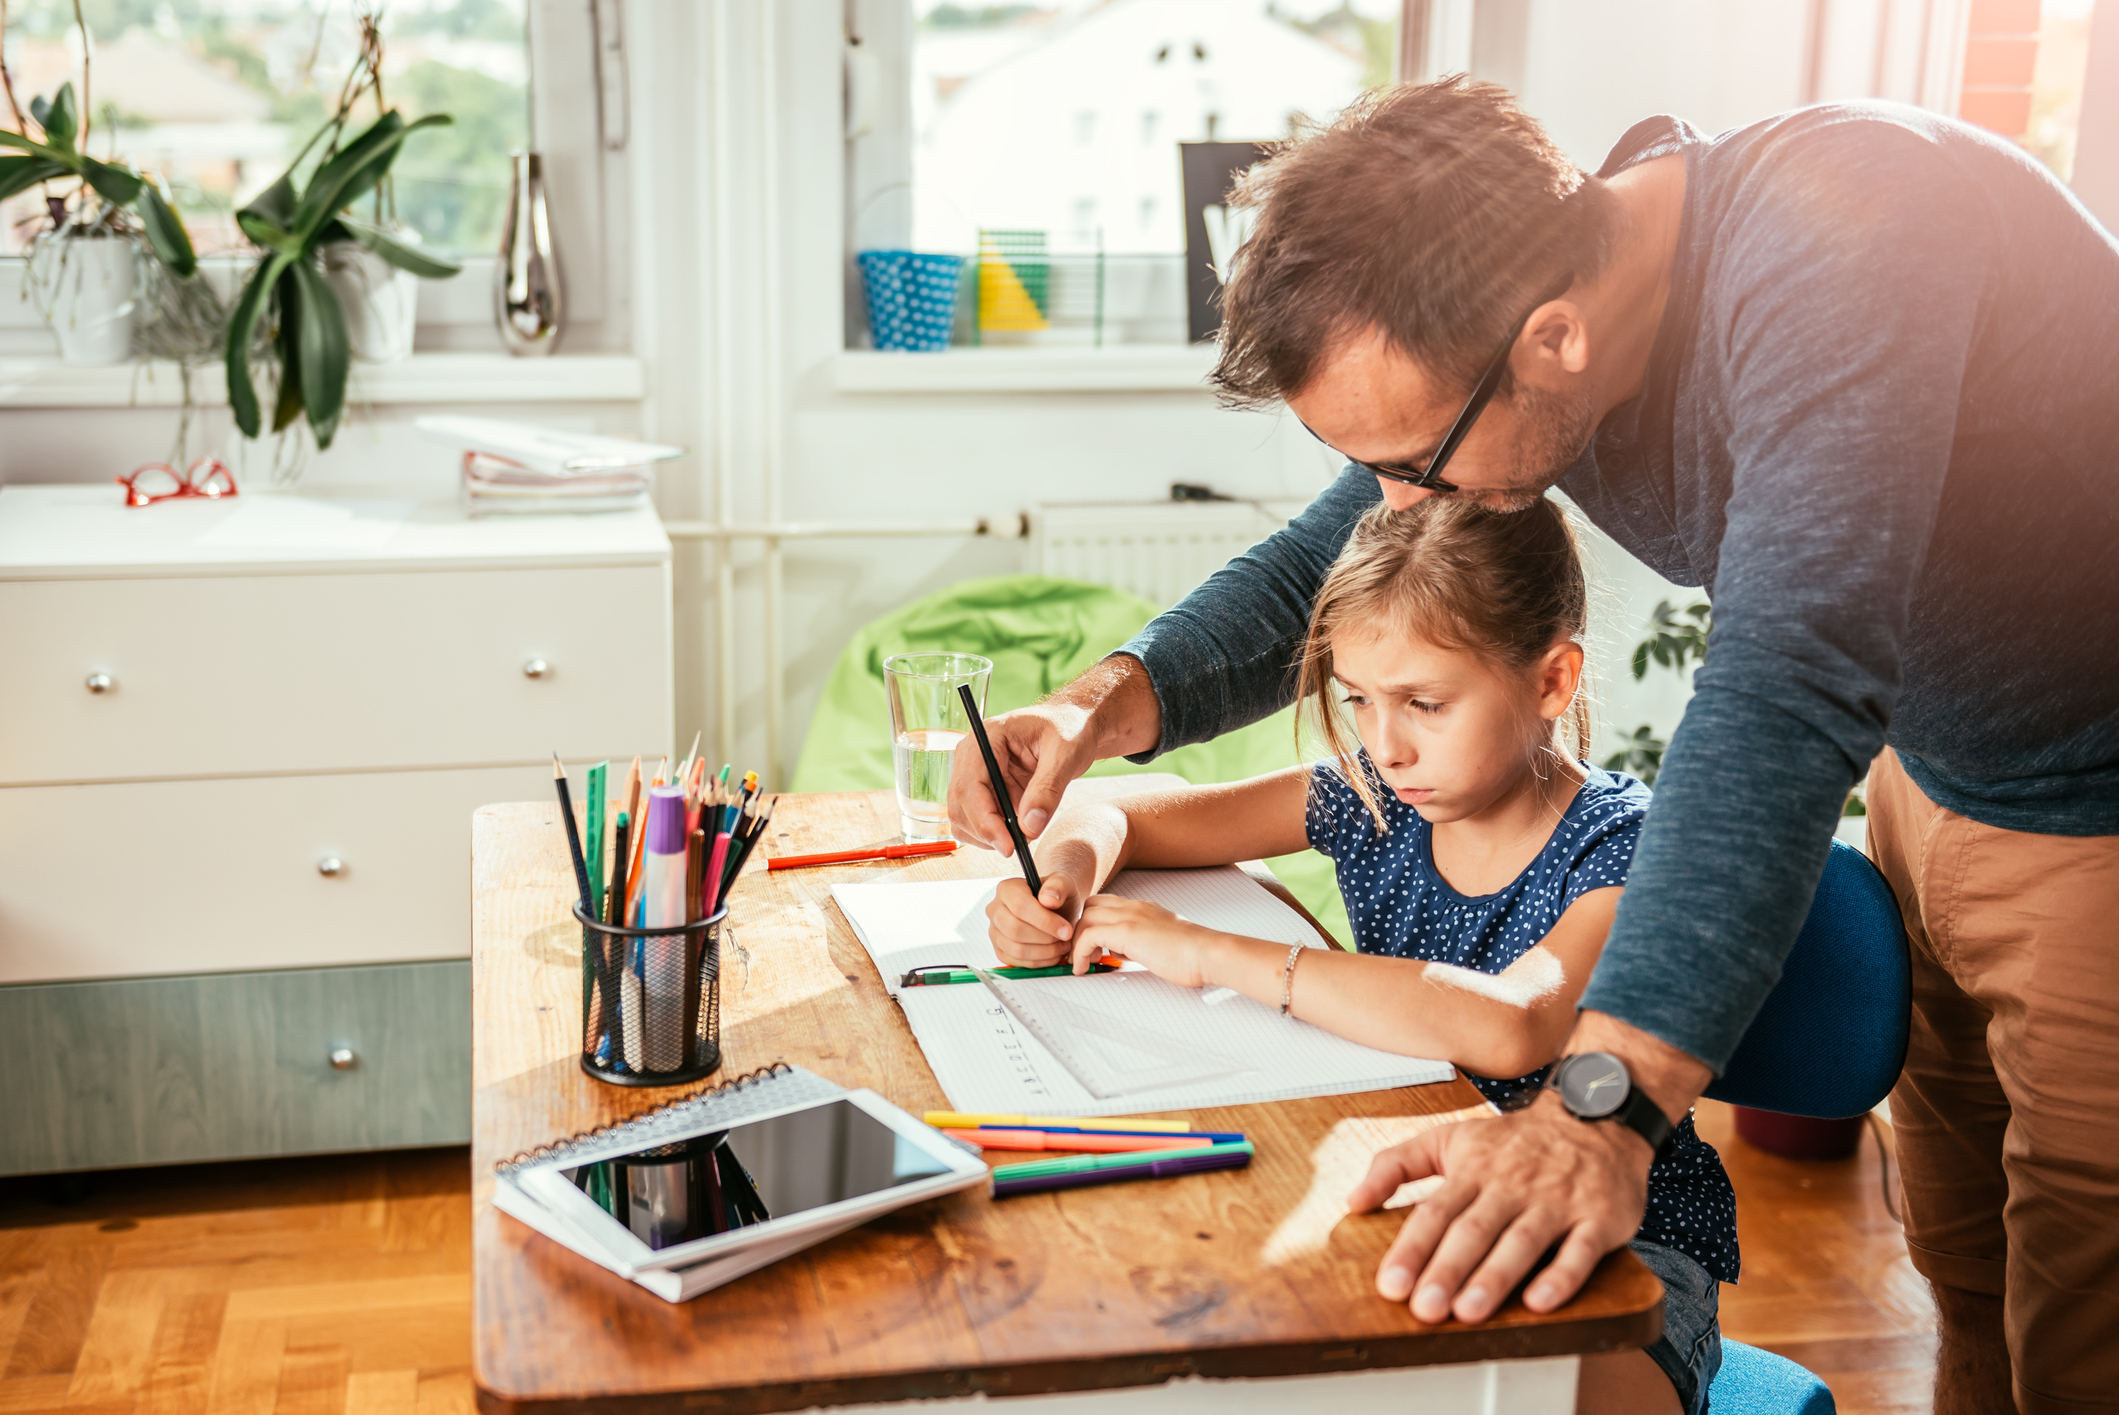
x: 330, y: 866
x: 101, y: 683
x: 536, y: 668
x: 344, y: 1059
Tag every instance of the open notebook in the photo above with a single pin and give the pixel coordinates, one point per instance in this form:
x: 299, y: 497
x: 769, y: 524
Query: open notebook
x: 1113, y: 1043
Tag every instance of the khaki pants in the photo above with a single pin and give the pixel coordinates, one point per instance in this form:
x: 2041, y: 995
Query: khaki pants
x: 2008, y: 1113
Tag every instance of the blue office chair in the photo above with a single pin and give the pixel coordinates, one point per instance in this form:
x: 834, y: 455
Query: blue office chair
x: 1829, y: 1042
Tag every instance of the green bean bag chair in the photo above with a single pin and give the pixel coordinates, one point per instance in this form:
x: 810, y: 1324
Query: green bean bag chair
x: 1040, y: 633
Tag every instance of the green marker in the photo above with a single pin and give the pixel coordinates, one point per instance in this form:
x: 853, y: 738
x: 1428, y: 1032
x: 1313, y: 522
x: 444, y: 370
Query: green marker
x: 935, y: 977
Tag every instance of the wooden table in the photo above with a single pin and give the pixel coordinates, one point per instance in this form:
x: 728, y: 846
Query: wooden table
x: 1245, y: 1273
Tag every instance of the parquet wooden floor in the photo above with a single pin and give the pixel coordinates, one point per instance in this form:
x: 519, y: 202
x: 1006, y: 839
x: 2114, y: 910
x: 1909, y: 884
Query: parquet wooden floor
x: 341, y: 1286
x: 332, y: 1286
x: 1826, y: 1278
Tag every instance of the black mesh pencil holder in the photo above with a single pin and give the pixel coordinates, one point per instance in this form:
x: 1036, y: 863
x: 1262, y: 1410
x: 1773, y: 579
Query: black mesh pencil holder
x: 651, y: 1001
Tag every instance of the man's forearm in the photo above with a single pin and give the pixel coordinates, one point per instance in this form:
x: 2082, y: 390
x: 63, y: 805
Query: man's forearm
x: 1671, y: 1078
x: 1120, y: 704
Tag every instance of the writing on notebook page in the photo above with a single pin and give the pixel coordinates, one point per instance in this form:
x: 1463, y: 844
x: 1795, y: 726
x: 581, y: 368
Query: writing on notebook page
x: 1079, y: 1046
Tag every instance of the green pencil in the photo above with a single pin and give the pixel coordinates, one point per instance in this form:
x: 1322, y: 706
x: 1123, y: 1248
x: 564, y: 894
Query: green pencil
x: 597, y: 776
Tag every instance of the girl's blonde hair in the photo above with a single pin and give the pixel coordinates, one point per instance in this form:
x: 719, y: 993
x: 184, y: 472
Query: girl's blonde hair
x: 1506, y: 585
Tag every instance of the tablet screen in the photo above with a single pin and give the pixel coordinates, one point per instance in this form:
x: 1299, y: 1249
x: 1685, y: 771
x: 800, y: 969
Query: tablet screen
x: 769, y: 1169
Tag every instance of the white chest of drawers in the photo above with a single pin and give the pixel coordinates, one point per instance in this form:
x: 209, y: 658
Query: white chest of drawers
x: 240, y: 745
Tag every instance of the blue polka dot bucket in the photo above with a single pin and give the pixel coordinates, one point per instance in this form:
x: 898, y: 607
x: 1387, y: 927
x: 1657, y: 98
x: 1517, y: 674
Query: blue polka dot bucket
x: 911, y: 298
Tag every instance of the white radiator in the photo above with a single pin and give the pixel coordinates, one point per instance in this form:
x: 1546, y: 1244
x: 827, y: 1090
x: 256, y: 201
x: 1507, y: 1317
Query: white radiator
x: 1159, y: 550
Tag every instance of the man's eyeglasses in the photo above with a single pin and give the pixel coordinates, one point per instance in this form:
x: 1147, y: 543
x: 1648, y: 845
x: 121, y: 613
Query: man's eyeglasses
x: 1429, y: 478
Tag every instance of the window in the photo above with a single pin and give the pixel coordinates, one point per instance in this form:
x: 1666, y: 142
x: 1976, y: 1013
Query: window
x: 1057, y: 127
x: 217, y: 96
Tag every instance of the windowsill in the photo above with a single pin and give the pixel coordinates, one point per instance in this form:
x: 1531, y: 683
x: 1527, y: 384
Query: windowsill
x: 1121, y: 368
x: 35, y: 382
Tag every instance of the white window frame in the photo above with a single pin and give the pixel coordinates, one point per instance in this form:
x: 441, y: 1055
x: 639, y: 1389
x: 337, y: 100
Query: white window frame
x: 578, y: 108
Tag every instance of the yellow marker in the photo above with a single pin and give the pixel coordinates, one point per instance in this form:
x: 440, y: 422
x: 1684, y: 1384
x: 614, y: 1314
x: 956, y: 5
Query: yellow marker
x: 958, y: 1120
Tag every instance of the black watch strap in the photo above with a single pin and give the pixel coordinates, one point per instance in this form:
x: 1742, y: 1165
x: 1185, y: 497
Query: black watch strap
x: 1579, y: 1078
x: 1646, y: 1119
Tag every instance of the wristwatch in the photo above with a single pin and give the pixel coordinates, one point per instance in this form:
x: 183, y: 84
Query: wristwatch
x: 1595, y: 1085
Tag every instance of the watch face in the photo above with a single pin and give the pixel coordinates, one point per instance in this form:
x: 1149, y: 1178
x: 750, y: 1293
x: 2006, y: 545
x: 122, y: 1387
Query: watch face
x: 1593, y: 1084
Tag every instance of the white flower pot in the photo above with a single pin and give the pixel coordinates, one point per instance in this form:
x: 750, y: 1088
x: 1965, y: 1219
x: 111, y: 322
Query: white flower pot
x: 85, y: 286
x: 381, y: 301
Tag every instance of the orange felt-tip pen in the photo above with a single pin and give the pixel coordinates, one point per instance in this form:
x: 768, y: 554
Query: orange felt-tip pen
x: 843, y: 857
x: 1088, y: 1144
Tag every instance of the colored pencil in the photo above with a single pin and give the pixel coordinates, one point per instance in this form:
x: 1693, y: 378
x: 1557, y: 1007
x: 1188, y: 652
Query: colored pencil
x: 1197, y: 1137
x: 1082, y: 1170
x: 753, y: 834
x: 566, y: 814
x: 1079, y: 1143
x: 841, y: 857
x: 969, y: 1120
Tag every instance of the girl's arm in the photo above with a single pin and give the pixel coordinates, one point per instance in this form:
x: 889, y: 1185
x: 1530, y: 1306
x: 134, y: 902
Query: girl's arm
x: 1502, y: 1024
x: 1086, y: 845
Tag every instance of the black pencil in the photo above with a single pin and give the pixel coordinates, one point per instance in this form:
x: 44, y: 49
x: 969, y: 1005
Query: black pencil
x: 566, y: 814
x: 1000, y: 791
x: 741, y: 852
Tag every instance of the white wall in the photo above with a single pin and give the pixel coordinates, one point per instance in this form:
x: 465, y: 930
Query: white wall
x: 952, y: 455
x: 740, y: 316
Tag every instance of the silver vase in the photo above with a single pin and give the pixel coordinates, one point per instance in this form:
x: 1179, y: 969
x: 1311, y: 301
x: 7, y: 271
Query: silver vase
x: 529, y: 298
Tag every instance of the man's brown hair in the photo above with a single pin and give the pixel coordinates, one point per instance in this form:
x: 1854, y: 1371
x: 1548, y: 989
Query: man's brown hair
x: 1437, y: 213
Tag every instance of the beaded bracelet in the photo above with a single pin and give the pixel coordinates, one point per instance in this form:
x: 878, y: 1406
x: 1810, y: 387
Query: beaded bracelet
x: 1287, y: 977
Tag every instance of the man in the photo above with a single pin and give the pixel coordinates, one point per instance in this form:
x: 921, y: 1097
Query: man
x: 1855, y: 370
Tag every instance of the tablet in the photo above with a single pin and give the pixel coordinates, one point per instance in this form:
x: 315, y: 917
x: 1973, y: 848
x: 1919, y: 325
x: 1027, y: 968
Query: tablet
x: 810, y: 1169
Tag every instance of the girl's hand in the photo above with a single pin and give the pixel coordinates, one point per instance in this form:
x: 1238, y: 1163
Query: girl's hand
x: 1034, y: 932
x: 1148, y: 934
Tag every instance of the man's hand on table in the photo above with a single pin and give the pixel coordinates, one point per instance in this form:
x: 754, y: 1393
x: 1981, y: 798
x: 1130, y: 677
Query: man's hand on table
x: 1514, y: 1185
x: 1109, y: 711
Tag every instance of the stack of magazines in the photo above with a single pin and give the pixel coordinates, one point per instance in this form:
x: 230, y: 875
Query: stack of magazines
x: 512, y: 468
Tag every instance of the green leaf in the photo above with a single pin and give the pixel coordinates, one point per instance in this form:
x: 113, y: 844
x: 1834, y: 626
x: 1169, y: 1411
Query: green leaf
x: 356, y: 168
x: 66, y: 160
x: 286, y: 341
x: 116, y: 185
x: 166, y: 233
x: 1640, y: 662
x: 402, y: 256
x: 60, y: 119
x: 274, y: 205
x: 325, y: 351
x: 19, y: 174
x: 263, y: 232
x: 242, y: 328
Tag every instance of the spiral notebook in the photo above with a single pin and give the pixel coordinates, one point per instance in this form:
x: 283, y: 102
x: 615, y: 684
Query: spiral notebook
x: 696, y: 1194
x: 1113, y: 1043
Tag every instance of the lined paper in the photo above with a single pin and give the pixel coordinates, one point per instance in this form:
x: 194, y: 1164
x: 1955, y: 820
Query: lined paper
x: 1112, y: 1043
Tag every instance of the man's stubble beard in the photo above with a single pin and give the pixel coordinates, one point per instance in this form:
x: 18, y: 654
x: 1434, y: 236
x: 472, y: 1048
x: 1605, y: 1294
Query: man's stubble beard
x: 1553, y: 431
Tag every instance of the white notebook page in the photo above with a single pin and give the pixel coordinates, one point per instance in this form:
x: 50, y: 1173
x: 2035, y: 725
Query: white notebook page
x: 1080, y: 1046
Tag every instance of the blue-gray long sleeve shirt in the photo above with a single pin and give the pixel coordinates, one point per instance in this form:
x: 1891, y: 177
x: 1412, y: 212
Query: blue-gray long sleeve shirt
x: 1881, y: 426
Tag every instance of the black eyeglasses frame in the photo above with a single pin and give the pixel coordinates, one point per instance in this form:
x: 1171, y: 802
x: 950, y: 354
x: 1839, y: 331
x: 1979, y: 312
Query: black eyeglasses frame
x: 1429, y: 478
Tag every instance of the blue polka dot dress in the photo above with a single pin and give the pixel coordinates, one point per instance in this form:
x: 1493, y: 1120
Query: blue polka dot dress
x: 1401, y: 906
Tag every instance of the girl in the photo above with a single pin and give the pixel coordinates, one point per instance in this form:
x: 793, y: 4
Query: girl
x: 1480, y: 861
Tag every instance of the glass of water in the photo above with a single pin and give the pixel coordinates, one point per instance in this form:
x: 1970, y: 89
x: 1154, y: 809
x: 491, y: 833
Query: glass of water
x: 926, y: 722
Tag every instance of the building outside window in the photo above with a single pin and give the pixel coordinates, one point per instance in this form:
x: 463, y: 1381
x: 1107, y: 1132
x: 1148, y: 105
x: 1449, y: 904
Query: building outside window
x: 1059, y: 126
x: 217, y: 96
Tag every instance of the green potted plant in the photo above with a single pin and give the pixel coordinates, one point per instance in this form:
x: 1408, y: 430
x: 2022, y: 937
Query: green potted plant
x: 288, y: 310
x: 83, y: 268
